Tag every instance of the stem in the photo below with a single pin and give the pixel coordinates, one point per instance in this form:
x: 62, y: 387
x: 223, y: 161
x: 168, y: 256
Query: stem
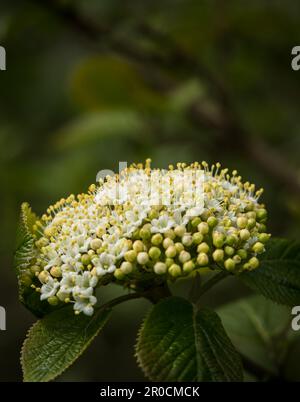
x: 120, y: 300
x: 212, y: 281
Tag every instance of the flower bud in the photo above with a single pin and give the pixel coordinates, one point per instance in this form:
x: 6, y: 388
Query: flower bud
x: 170, y: 234
x: 203, y: 248
x: 160, y: 268
x: 154, y: 253
x: 169, y: 262
x: 212, y: 221
x: 180, y: 230
x: 229, y: 264
x: 130, y: 256
x: 218, y: 255
x: 187, y: 240
x: 43, y: 276
x: 188, y: 267
x: 184, y: 256
x: 261, y: 214
x: 203, y: 228
x: 53, y: 301
x: 242, y: 222
x: 119, y: 274
x: 142, y: 258
x: 171, y: 252
x: 179, y: 247
x: 56, y: 272
x: 263, y: 237
x: 85, y: 259
x: 197, y: 238
x: 156, y: 239
x: 126, y: 267
x: 253, y: 263
x: 258, y: 247
x: 195, y: 222
x: 229, y: 250
x: 96, y: 243
x: 167, y: 243
x: 174, y: 270
x: 218, y: 239
x: 138, y: 246
x: 244, y: 234
x: 242, y: 253
x: 202, y: 259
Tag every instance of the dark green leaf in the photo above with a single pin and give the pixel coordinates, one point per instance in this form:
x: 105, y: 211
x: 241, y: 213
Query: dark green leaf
x: 56, y: 341
x: 259, y: 329
x: 278, y: 277
x: 177, y: 342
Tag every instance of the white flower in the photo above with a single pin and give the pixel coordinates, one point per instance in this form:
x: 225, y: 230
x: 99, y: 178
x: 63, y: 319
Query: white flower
x: 49, y: 288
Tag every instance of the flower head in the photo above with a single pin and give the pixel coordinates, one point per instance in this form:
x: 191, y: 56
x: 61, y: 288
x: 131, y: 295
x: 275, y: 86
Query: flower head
x: 166, y: 223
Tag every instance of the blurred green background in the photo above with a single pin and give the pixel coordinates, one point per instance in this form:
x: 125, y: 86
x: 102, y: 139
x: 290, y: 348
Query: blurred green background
x: 89, y: 84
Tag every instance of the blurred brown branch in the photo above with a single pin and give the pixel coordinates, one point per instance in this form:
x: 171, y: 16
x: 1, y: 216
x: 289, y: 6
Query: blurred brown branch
x: 232, y: 134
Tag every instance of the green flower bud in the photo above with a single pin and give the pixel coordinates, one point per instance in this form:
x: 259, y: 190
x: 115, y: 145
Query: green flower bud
x: 229, y: 250
x: 242, y: 253
x: 156, y: 239
x: 179, y: 247
x: 258, y: 248
x: 251, y: 223
x: 96, y: 243
x: 142, y: 258
x: 195, y: 222
x: 237, y: 259
x: 154, y: 253
x: 253, y: 263
x: 261, y: 214
x: 85, y: 259
x: 180, y: 230
x: 244, y: 234
x: 203, y: 228
x: 229, y: 264
x: 231, y: 240
x: 188, y: 267
x: 197, y: 238
x: 126, y: 267
x: 160, y: 268
x: 130, y: 256
x: 251, y: 215
x: 43, y: 277
x: 184, y: 256
x: 187, y: 240
x: 218, y: 255
x: 119, y: 274
x: 171, y: 252
x: 168, y: 242
x: 203, y: 248
x: 262, y: 228
x: 138, y: 246
x: 174, y: 270
x: 53, y: 301
x: 170, y: 234
x: 35, y: 269
x: 263, y: 237
x: 56, y: 272
x: 212, y: 221
x: 153, y: 214
x: 145, y: 232
x: 202, y: 259
x: 169, y: 262
x: 242, y: 222
x: 218, y: 239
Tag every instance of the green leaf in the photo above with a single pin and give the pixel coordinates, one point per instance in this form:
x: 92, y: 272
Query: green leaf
x: 98, y: 125
x: 24, y: 258
x: 259, y: 329
x: 177, y: 342
x: 278, y: 277
x: 56, y: 341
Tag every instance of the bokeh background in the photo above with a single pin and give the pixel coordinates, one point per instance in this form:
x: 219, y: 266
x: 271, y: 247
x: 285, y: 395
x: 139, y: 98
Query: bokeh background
x: 92, y: 83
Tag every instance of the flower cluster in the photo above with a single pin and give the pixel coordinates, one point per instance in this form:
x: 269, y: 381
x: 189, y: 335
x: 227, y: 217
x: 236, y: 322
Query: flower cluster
x: 164, y: 223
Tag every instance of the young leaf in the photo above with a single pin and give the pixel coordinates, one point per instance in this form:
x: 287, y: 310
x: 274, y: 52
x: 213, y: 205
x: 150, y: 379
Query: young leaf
x: 56, y: 341
x: 259, y: 329
x: 278, y: 277
x: 177, y: 342
x: 23, y: 259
